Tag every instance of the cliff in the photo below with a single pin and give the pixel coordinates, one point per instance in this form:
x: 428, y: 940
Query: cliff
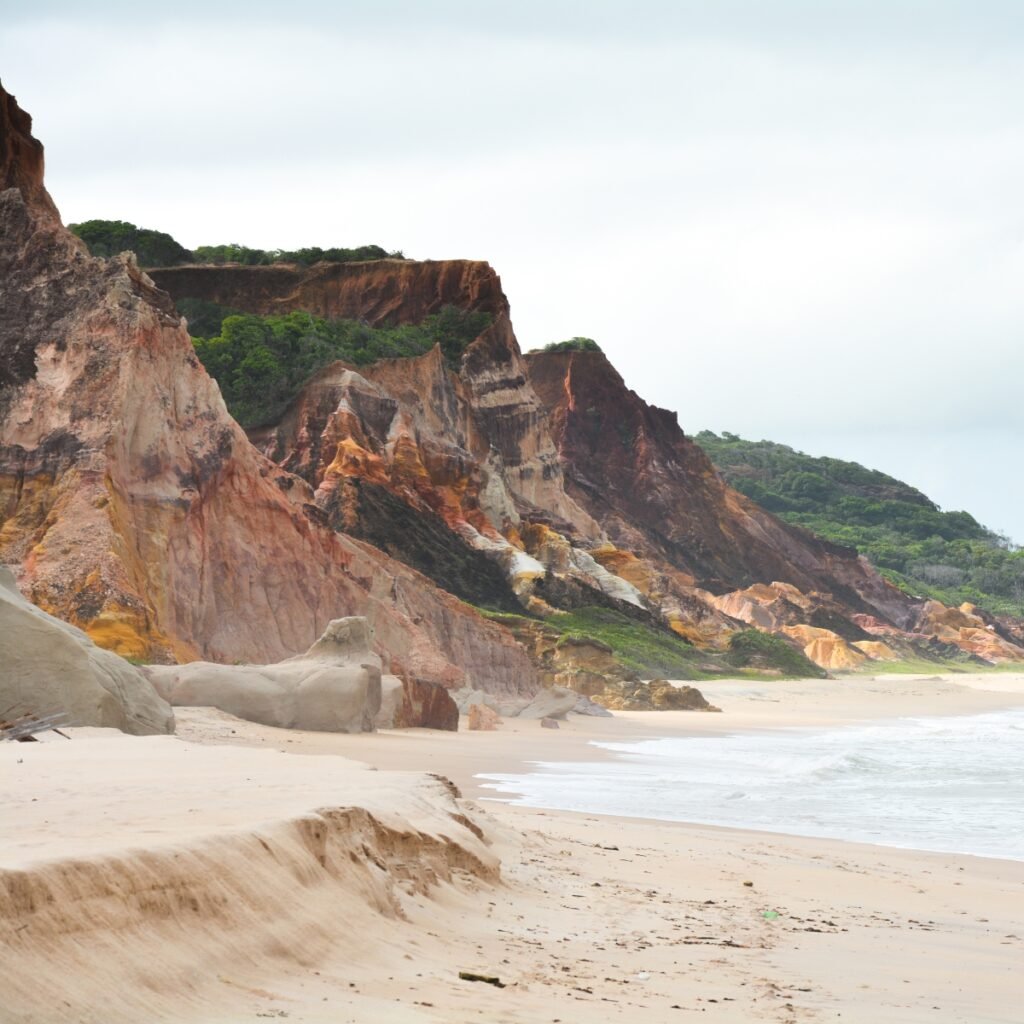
x: 135, y: 507
x: 653, y: 490
x: 379, y: 292
x: 138, y: 509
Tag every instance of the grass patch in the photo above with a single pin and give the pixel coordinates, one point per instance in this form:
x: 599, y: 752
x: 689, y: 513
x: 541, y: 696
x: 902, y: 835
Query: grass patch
x: 751, y: 648
x: 650, y: 652
x: 642, y: 648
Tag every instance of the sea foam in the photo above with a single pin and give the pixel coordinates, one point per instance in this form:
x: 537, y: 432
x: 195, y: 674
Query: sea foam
x: 951, y: 785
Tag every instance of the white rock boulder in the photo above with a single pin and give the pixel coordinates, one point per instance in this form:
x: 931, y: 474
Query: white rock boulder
x: 334, y: 687
x: 48, y: 666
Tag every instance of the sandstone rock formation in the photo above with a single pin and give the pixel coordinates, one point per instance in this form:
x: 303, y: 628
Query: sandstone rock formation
x: 467, y: 456
x: 391, y: 695
x: 825, y: 648
x: 334, y: 687
x: 482, y: 718
x: 970, y: 630
x: 136, y: 508
x: 427, y: 705
x: 47, y: 666
x: 877, y: 650
x: 656, y: 695
x: 552, y: 702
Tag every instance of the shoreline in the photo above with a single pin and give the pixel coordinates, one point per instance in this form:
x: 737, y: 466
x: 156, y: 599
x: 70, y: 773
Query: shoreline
x: 746, y: 707
x: 236, y: 871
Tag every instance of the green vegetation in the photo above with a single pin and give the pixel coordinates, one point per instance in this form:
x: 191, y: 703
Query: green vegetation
x: 948, y: 556
x: 648, y: 651
x: 204, y: 317
x: 157, y: 249
x: 640, y: 647
x: 572, y: 345
x: 750, y: 648
x: 151, y: 248
x: 262, y: 362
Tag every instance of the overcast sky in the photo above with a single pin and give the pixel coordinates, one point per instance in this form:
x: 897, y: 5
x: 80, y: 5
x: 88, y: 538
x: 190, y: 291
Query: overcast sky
x: 801, y: 221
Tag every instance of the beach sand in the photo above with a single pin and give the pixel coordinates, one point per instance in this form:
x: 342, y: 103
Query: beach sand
x: 238, y: 873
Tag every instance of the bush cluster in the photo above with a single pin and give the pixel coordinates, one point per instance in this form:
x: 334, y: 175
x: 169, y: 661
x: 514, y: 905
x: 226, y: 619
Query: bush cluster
x: 110, y: 237
x: 572, y: 345
x: 262, y: 362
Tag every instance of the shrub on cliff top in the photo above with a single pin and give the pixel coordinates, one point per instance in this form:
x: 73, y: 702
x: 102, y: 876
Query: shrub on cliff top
x: 152, y: 248
x: 234, y: 253
x: 572, y: 345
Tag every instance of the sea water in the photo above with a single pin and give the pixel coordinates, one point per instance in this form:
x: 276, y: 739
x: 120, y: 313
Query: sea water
x: 952, y: 785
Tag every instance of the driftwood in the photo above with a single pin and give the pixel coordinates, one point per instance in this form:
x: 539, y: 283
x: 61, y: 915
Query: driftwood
x: 20, y: 726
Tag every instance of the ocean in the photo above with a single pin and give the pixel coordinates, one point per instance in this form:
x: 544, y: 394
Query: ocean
x: 949, y: 784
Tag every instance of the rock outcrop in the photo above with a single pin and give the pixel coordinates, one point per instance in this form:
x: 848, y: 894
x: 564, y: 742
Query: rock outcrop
x: 426, y: 705
x: 406, y: 451
x: 334, y: 687
x: 825, y: 648
x: 656, y: 695
x: 47, y: 666
x: 481, y: 718
x: 136, y: 508
x: 969, y: 629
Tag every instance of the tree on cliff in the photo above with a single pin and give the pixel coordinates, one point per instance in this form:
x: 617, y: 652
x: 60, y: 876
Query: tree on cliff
x: 572, y: 345
x: 152, y: 248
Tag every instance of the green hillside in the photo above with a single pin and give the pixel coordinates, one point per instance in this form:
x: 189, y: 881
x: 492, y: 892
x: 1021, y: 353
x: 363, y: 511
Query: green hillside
x: 945, y: 555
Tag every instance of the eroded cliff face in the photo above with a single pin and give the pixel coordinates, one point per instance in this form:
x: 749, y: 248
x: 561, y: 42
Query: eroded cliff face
x: 379, y: 292
x: 654, y: 491
x: 136, y: 508
x: 452, y: 472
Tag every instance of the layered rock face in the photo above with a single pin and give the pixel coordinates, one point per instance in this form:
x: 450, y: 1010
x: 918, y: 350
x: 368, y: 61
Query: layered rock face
x: 136, y: 508
x: 379, y: 292
x: 47, y: 666
x: 468, y: 457
x: 653, y: 491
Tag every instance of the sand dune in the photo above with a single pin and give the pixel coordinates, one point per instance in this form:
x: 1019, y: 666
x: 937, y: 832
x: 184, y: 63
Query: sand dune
x: 143, y: 879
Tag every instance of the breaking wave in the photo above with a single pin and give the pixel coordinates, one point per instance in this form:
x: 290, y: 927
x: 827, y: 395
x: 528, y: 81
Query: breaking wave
x: 951, y: 785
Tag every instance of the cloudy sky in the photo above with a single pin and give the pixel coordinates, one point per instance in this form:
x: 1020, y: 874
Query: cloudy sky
x: 801, y: 221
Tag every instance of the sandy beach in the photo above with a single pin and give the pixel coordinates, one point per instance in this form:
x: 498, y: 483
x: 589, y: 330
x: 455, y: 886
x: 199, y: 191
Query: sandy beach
x: 237, y: 872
